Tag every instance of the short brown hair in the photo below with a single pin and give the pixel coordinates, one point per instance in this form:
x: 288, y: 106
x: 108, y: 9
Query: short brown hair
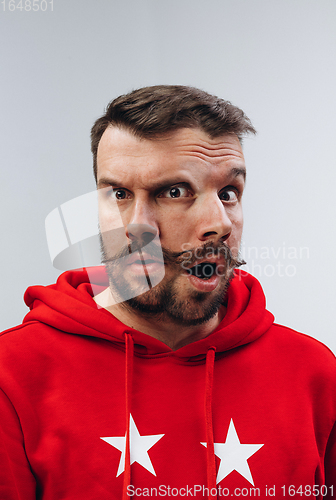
x: 150, y: 112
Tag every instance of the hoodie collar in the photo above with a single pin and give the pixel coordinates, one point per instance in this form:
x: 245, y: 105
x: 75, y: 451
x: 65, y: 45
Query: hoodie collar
x: 68, y: 306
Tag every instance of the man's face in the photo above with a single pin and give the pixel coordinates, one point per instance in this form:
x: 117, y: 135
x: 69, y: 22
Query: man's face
x: 185, y: 188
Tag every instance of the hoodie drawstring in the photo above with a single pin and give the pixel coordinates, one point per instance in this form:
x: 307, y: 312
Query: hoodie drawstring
x: 128, y: 392
x: 211, y: 461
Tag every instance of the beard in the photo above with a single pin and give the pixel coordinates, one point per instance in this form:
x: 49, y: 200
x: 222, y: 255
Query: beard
x: 166, y: 300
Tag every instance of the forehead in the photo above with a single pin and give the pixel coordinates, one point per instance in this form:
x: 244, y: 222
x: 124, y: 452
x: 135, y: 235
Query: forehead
x: 121, y: 153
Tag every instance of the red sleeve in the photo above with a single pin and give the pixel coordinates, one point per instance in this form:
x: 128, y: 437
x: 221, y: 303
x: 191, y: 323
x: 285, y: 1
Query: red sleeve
x: 16, y: 479
x: 330, y: 465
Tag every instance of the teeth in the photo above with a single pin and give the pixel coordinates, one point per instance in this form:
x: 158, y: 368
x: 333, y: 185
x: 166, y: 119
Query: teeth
x: 205, y: 270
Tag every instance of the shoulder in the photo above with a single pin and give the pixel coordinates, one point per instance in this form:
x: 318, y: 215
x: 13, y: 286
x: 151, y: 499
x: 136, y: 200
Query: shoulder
x: 30, y: 344
x: 300, y: 341
x: 23, y: 333
x: 13, y: 336
x: 19, y: 340
x: 302, y: 353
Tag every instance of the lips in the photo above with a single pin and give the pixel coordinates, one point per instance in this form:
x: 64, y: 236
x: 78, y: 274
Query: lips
x: 205, y: 268
x: 141, y: 264
x: 204, y: 285
x: 205, y: 275
x: 142, y: 258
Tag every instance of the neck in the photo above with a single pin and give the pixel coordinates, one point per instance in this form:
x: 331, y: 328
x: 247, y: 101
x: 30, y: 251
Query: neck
x: 162, y: 328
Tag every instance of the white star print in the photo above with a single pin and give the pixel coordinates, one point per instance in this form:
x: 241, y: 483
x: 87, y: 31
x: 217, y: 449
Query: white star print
x: 139, y: 446
x: 233, y: 455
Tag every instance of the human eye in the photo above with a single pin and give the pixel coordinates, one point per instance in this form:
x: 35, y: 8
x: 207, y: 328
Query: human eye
x: 229, y: 195
x: 120, y: 194
x: 178, y: 191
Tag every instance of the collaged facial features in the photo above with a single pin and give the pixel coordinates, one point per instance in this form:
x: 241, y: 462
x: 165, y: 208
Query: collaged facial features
x: 211, y: 262
x: 179, y: 200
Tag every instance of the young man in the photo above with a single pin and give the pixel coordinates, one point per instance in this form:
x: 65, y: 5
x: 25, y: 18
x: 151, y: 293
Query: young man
x: 173, y: 383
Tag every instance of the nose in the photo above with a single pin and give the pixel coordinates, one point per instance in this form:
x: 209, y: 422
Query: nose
x: 142, y: 227
x: 141, y: 233
x: 215, y: 223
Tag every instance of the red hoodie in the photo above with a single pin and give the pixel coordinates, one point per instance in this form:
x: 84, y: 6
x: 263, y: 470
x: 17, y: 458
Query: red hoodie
x: 249, y: 411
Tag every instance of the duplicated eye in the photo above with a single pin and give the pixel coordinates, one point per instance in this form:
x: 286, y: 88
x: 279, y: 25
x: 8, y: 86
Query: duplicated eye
x: 119, y: 194
x: 175, y: 192
x: 229, y: 195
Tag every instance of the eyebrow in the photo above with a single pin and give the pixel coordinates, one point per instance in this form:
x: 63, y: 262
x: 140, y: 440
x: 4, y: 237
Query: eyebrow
x: 236, y: 171
x: 155, y: 186
x: 104, y: 181
x: 160, y: 185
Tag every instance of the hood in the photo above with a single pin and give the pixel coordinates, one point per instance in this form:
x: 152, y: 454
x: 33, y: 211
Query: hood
x: 68, y: 306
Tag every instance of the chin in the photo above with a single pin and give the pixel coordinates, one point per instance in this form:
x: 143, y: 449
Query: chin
x: 188, y: 308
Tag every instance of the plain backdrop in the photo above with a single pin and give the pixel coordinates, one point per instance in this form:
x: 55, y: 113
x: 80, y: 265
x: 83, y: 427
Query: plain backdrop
x: 273, y: 58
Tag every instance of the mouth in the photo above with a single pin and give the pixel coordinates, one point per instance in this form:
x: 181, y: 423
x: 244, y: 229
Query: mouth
x: 139, y: 258
x: 144, y: 262
x: 141, y: 264
x: 203, y: 270
x: 205, y: 276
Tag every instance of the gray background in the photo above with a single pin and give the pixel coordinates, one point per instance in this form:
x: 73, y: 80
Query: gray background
x: 273, y: 58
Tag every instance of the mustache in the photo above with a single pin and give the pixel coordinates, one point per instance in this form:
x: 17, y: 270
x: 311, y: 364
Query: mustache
x: 209, y: 250
x: 152, y: 249
x: 188, y: 257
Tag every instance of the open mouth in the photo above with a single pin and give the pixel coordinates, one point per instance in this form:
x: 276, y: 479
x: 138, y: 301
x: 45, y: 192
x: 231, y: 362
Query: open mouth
x: 204, y: 270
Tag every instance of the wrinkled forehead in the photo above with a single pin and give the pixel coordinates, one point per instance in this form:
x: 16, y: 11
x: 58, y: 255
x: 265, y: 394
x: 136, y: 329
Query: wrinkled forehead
x: 118, y: 143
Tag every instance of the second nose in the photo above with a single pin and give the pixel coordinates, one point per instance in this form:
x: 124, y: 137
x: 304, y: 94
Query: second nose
x: 141, y: 233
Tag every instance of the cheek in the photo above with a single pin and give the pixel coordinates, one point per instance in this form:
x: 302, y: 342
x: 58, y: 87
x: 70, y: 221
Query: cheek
x: 238, y: 227
x: 237, y: 219
x: 237, y: 231
x: 109, y: 216
x: 111, y: 227
x: 174, y: 229
x: 109, y: 223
